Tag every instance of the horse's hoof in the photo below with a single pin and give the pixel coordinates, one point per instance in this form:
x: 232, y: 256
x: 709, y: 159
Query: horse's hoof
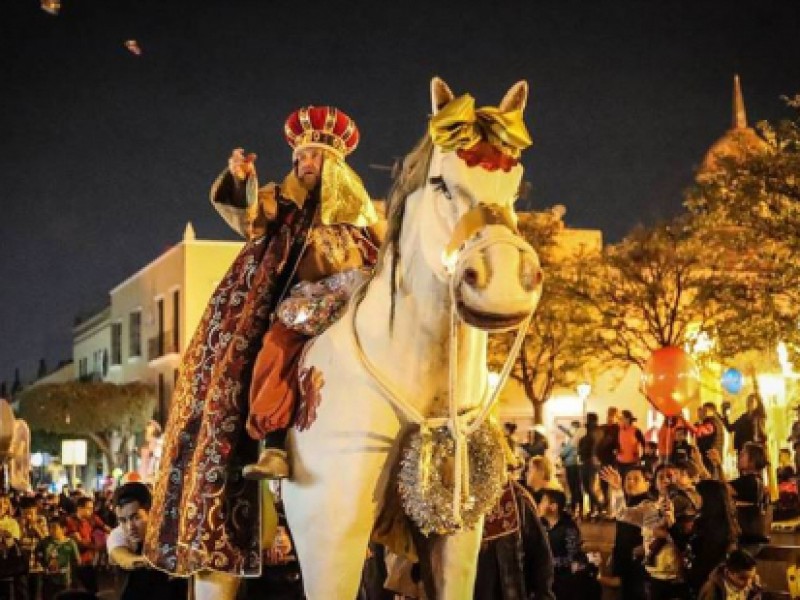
x: 272, y: 464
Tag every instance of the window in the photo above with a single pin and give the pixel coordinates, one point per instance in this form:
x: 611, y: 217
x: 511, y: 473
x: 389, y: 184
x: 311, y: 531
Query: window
x: 162, y: 400
x: 135, y: 342
x: 176, y: 322
x: 116, y: 343
x: 160, y: 317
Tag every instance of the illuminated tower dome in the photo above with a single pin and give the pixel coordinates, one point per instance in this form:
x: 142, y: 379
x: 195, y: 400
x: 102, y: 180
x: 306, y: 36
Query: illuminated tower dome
x: 739, y: 141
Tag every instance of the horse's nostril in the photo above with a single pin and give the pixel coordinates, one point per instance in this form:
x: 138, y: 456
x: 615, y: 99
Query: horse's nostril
x: 471, y: 277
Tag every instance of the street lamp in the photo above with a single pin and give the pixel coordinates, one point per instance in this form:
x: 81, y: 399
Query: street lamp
x: 584, y: 389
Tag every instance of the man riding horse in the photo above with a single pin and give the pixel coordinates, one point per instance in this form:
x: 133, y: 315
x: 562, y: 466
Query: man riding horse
x: 240, y: 373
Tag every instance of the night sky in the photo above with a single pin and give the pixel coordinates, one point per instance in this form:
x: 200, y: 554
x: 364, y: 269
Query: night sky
x: 104, y: 155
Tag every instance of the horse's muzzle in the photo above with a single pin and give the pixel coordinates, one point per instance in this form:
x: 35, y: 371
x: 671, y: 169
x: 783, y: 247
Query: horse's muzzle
x: 498, y: 282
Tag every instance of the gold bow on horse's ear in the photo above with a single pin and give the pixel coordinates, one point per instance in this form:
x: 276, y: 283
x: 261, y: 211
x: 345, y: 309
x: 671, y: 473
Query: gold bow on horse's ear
x: 460, y: 126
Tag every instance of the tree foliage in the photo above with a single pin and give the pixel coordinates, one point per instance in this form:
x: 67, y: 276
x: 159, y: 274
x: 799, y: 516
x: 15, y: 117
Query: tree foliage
x: 753, y: 201
x: 92, y: 409
x: 655, y: 288
x: 551, y: 354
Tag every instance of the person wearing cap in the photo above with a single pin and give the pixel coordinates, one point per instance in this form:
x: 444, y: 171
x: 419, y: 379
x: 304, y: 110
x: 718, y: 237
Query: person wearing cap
x: 630, y: 443
x: 132, y: 503
x: 239, y: 381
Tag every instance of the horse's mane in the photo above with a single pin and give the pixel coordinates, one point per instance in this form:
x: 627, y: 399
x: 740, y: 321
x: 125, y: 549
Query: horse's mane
x: 412, y: 175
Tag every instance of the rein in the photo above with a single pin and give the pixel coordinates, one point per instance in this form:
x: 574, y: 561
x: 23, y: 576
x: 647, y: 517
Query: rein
x: 460, y: 424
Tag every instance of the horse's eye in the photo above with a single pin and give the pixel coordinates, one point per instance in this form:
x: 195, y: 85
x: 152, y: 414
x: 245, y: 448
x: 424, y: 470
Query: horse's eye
x: 440, y: 186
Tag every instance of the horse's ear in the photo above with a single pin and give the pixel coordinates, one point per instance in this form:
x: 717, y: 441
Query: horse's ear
x: 440, y: 94
x: 516, y: 98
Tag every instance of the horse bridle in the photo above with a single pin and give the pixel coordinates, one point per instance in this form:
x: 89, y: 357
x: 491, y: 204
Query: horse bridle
x: 463, y: 243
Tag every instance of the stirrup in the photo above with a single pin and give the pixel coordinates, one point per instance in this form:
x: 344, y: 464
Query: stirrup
x: 273, y: 463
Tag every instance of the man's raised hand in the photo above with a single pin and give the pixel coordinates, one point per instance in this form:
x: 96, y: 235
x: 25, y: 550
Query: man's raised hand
x: 241, y: 165
x: 612, y: 477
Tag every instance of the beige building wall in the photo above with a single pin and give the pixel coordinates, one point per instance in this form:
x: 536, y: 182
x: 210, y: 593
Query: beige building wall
x: 206, y: 263
x: 577, y: 241
x: 155, y: 311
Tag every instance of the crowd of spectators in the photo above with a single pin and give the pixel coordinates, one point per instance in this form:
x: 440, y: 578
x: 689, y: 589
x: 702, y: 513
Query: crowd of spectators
x: 683, y: 531
x: 53, y: 542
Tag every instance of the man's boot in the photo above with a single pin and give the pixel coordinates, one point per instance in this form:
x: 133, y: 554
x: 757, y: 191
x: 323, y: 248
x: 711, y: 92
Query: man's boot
x: 273, y: 462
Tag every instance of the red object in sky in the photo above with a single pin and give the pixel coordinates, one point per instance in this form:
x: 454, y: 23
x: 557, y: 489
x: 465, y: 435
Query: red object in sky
x: 133, y: 46
x: 671, y: 380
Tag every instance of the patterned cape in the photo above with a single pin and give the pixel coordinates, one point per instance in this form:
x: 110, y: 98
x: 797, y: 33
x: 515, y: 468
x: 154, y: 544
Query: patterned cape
x: 205, y: 515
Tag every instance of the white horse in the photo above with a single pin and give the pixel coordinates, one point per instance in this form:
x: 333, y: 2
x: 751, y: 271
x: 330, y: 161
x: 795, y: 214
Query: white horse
x: 393, y: 346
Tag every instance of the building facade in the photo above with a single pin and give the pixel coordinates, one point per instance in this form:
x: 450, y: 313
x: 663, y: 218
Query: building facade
x: 154, y: 313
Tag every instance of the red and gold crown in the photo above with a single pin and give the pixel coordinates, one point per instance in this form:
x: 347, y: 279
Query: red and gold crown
x: 323, y: 126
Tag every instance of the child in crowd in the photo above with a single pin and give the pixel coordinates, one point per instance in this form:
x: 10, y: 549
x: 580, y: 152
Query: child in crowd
x: 573, y: 575
x: 735, y: 579
x: 59, y: 555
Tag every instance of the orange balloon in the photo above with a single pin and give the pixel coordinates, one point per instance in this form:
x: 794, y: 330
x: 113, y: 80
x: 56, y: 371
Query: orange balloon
x: 671, y: 380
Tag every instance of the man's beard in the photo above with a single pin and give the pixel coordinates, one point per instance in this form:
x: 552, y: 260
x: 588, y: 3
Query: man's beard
x: 309, y: 181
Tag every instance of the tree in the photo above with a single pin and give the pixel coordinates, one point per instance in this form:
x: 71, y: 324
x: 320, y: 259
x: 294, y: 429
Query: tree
x: 95, y: 410
x: 753, y: 198
x: 654, y: 288
x: 551, y: 355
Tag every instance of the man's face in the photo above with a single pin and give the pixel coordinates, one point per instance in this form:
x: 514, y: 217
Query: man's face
x: 635, y: 483
x: 308, y: 166
x: 133, y: 520
x: 741, y: 579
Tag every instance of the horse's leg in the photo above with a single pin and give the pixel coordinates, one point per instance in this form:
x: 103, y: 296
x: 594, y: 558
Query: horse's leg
x: 449, y: 563
x: 331, y: 528
x: 211, y: 585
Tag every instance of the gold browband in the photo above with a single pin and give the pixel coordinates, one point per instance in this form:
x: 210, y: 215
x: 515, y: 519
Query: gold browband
x: 473, y: 220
